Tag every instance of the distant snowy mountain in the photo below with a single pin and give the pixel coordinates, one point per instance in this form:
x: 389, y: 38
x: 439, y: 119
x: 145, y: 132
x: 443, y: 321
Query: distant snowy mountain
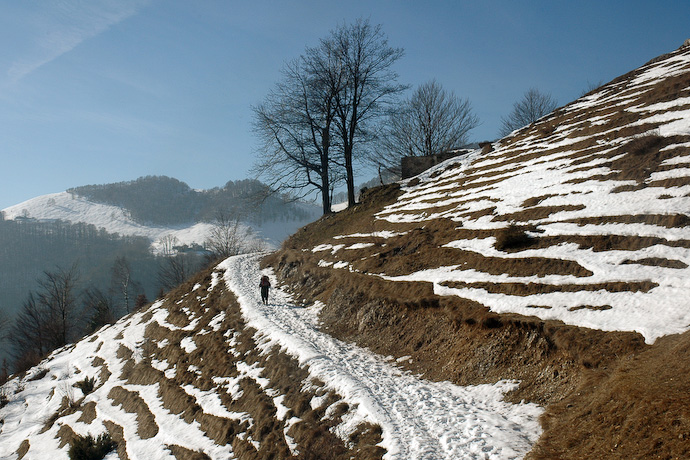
x: 71, y: 208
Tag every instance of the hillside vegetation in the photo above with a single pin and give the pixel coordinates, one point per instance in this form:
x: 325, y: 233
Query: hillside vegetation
x: 557, y: 256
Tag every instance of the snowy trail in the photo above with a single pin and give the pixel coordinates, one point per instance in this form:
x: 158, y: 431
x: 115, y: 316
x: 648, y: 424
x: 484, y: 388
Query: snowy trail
x: 419, y: 419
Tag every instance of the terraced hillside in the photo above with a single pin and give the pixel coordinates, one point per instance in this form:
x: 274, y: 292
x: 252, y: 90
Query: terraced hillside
x: 558, y: 255
x: 186, y: 378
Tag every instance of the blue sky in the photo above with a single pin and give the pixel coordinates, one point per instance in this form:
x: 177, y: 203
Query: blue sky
x: 99, y: 91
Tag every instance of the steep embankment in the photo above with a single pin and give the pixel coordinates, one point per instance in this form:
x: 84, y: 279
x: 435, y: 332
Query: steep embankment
x: 558, y: 256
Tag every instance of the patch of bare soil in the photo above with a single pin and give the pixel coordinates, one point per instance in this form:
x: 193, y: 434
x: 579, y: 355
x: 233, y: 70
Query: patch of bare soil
x: 182, y: 453
x: 23, y: 449
x: 116, y: 432
x: 537, y: 212
x: 66, y: 435
x: 643, y: 156
x: 88, y: 412
x: 611, y: 242
x: 661, y: 220
x: 658, y: 262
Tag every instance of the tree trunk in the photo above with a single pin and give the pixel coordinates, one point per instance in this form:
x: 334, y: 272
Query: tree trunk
x: 325, y: 187
x: 350, y: 177
x: 325, y: 179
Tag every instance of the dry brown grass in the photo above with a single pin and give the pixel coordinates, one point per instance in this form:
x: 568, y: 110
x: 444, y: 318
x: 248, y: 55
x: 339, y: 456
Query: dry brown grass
x: 537, y: 212
x: 637, y: 410
x: 526, y: 289
x: 658, y: 262
x: 133, y: 403
x: 612, y: 242
x: 88, y: 412
x: 512, y: 237
x: 117, y: 434
x: 661, y: 220
x: 66, y: 435
x: 182, y: 453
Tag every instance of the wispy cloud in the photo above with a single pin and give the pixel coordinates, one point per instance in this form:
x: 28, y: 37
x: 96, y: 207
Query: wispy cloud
x: 55, y: 28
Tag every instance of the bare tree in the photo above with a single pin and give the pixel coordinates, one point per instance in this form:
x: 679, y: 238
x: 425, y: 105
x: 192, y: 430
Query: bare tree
x: 591, y: 86
x: 29, y: 334
x: 533, y: 105
x: 228, y: 236
x: 370, y: 87
x: 99, y: 309
x: 294, y: 124
x: 431, y: 121
x: 168, y: 243
x: 121, y: 281
x: 4, y: 324
x: 47, y: 319
x: 174, y: 271
x: 58, y: 295
x: 328, y: 100
x: 141, y: 301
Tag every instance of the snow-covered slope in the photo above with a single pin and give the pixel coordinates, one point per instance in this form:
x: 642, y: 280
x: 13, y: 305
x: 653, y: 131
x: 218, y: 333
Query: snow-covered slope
x: 149, y: 359
x: 602, y: 188
x: 72, y: 208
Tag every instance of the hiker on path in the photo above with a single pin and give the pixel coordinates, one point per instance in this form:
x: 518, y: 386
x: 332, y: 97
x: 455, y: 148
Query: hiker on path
x: 264, y: 284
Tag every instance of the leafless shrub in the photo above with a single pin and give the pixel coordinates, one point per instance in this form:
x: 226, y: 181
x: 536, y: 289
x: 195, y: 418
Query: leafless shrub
x: 432, y: 121
x: 90, y: 448
x: 4, y: 397
x: 533, y: 105
x: 168, y: 243
x: 40, y: 373
x: 67, y: 392
x: 228, y: 236
x: 87, y: 385
x: 512, y: 237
